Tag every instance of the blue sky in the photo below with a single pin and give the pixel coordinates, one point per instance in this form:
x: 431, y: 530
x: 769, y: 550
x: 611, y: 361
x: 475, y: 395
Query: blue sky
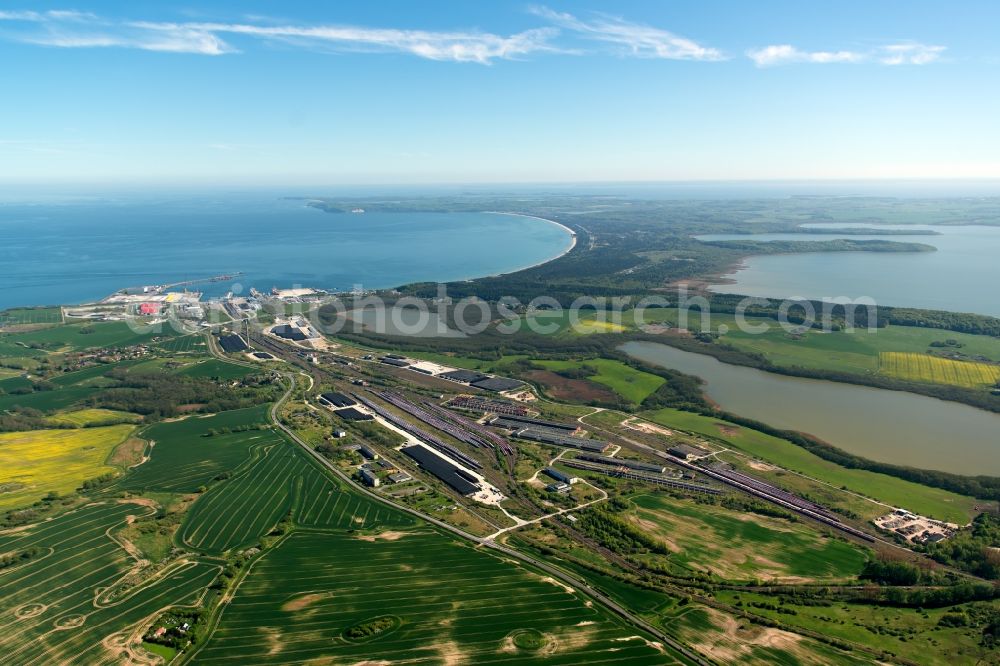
x: 405, y: 92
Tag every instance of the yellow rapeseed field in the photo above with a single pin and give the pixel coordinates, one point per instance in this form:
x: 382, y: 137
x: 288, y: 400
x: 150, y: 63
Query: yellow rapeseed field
x: 34, y: 463
x: 587, y: 326
x: 934, y: 370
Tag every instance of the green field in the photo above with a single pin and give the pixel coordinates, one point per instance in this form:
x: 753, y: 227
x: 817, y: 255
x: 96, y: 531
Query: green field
x: 856, y: 351
x: 41, y: 461
x: 48, y: 401
x: 631, y: 384
x: 740, y: 546
x: 22, y: 316
x: 183, y: 344
x: 880, y: 627
x: 63, y: 604
x: 240, y: 510
x: 75, y: 337
x: 737, y: 641
x: 183, y: 458
x: 214, y: 368
x: 300, y: 599
x: 924, y: 500
x: 92, y: 376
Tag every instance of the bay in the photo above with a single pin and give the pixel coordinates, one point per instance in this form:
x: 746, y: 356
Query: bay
x: 961, y: 276
x: 70, y: 251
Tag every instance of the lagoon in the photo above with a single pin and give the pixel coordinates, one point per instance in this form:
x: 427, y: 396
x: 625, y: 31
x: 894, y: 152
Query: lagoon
x: 962, y: 276
x: 77, y: 250
x: 888, y: 426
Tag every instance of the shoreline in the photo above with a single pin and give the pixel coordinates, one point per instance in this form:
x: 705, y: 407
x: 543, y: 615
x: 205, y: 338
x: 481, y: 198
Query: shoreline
x: 562, y: 254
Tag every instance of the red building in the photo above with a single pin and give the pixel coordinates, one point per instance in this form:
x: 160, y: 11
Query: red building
x: 149, y: 309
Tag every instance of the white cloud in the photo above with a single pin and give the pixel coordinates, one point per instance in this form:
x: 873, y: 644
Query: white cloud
x: 70, y: 29
x: 477, y: 47
x: 73, y: 29
x: 639, y: 40
x: 910, y: 54
x: 891, y: 54
x: 780, y: 54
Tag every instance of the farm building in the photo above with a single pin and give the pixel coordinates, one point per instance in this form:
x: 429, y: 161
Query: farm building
x: 686, y: 451
x: 559, y: 476
x: 369, y: 478
x: 367, y: 452
x: 337, y: 399
x: 451, y: 474
x: 353, y: 414
x: 497, y: 384
x: 398, y: 362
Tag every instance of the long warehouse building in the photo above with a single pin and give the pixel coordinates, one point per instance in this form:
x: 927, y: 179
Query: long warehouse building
x: 514, y: 421
x: 631, y: 464
x: 454, y: 476
x: 554, y: 438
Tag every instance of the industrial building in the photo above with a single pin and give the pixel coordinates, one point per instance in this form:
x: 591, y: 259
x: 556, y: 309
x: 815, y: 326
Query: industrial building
x: 367, y: 452
x: 554, y: 438
x: 400, y: 477
x: 483, y: 405
x: 369, y: 478
x: 337, y: 400
x: 353, y: 414
x: 457, y: 478
x: 464, y: 376
x: 631, y: 464
x: 191, y: 311
x: 297, y: 331
x: 497, y: 384
x: 289, y: 333
x: 559, y: 476
x: 515, y: 421
x: 686, y: 451
x: 232, y: 343
x: 398, y: 362
x: 558, y: 487
x: 339, y: 434
x: 624, y: 473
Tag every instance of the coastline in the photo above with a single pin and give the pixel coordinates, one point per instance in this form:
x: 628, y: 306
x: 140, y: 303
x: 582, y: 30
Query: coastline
x: 564, y: 251
x: 572, y: 243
